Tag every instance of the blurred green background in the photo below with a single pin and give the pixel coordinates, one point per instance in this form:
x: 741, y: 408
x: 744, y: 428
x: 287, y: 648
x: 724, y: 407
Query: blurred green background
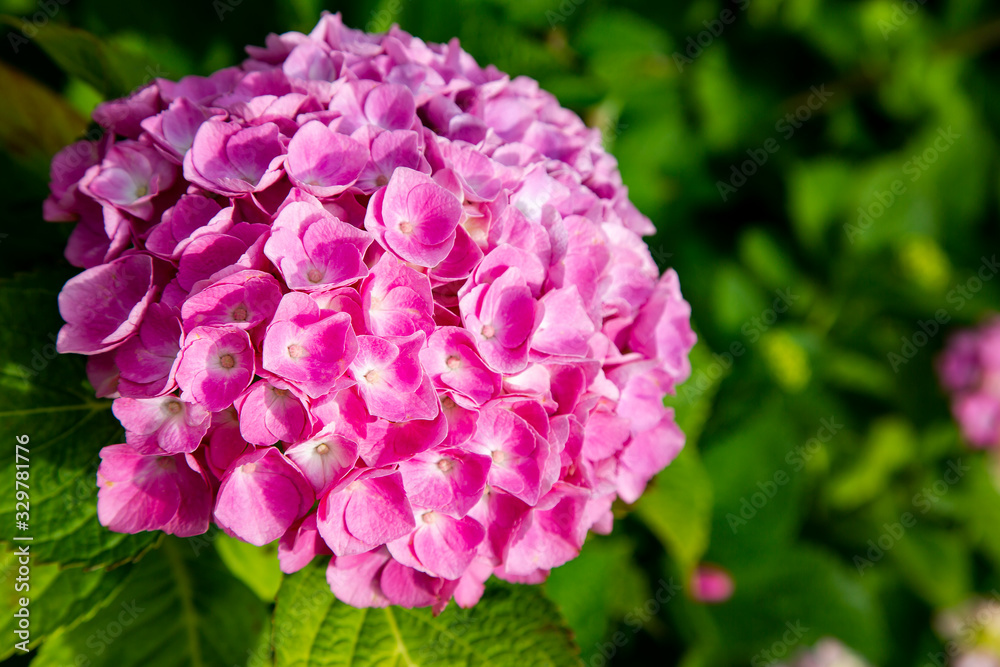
x: 823, y: 177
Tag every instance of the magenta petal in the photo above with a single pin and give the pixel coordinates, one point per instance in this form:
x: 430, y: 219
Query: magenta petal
x: 356, y: 579
x: 167, y: 424
x: 365, y: 513
x: 446, y: 546
x: 516, y: 450
x: 647, y: 454
x: 216, y: 366
x: 397, y: 299
x: 261, y: 495
x: 104, y: 305
x: 453, y: 362
x: 391, y: 107
x: 406, y: 587
x: 243, y: 299
x: 138, y: 493
x: 147, y: 362
x: 324, y: 458
x: 300, y: 545
x: 416, y: 217
x: 271, y: 411
x: 566, y: 327
x: 308, y: 347
x: 315, y: 250
x: 323, y: 162
x: 386, y: 371
x: 380, y: 512
x: 448, y: 480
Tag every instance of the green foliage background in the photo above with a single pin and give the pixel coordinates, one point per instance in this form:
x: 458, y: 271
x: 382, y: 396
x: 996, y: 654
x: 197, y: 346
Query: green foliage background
x: 808, y: 438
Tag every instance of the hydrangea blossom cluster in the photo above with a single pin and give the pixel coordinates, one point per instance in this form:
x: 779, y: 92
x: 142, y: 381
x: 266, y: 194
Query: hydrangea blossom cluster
x: 970, y: 371
x: 364, y: 297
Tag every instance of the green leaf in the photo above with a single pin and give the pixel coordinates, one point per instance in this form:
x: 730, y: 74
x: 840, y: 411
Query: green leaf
x: 176, y: 610
x: 980, y: 503
x: 511, y: 625
x: 43, y: 395
x: 602, y: 584
x: 736, y: 298
x: 798, y: 596
x: 857, y: 372
x: 816, y: 198
x: 935, y: 563
x: 891, y: 444
x: 677, y: 507
x: 758, y: 471
x: 301, y: 15
x: 110, y: 69
x: 257, y: 567
x: 61, y: 598
x: 34, y: 122
x: 770, y: 263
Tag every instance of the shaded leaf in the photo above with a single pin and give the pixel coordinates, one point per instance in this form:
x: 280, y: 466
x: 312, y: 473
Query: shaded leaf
x: 176, y: 609
x: 44, y: 396
x: 60, y: 598
x: 257, y: 567
x: 677, y: 507
x: 109, y: 69
x: 511, y: 625
x: 34, y: 121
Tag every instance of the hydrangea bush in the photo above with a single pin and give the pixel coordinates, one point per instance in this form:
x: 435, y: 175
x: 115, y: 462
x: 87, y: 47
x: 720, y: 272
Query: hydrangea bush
x: 365, y: 297
x: 970, y: 371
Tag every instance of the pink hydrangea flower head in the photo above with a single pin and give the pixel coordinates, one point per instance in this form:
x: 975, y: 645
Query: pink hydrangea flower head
x: 969, y: 369
x: 366, y: 299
